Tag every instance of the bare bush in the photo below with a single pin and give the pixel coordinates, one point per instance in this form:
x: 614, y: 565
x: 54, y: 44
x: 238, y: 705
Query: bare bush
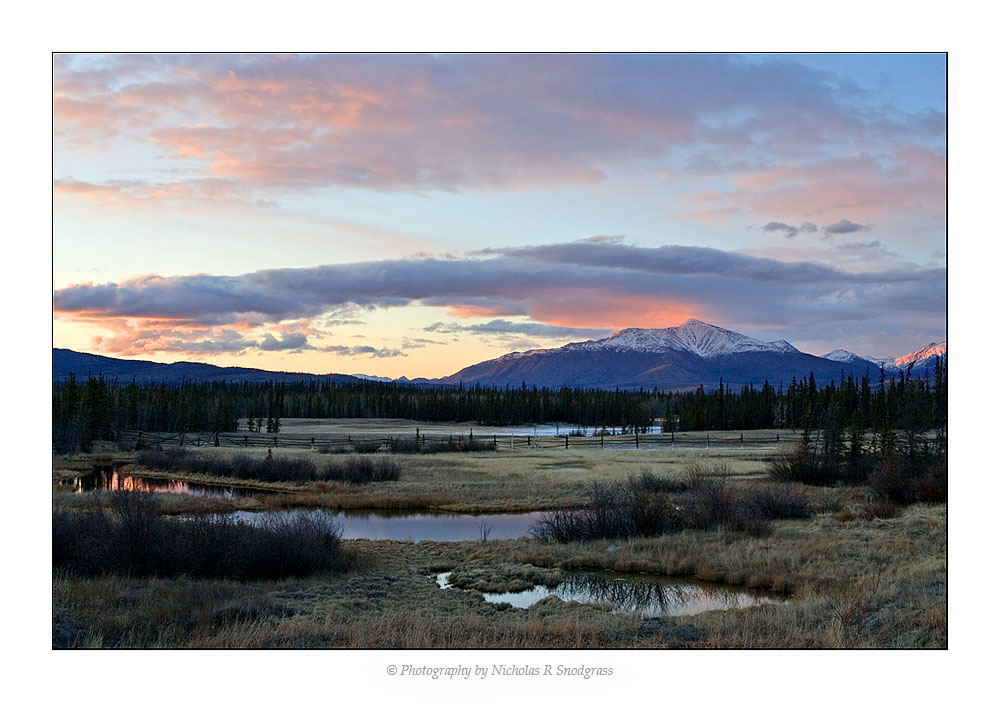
x: 647, y: 505
x: 363, y: 470
x: 128, y: 536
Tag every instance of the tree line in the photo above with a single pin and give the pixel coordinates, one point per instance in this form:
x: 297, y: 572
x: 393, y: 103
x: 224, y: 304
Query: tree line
x: 98, y: 409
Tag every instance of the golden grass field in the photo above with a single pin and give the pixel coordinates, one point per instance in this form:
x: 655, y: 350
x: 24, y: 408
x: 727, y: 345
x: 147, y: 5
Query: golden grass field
x: 854, y: 580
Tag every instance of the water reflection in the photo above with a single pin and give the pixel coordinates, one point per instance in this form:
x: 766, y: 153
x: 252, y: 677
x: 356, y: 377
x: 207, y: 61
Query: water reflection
x: 409, y: 526
x: 110, y: 479
x: 648, y: 595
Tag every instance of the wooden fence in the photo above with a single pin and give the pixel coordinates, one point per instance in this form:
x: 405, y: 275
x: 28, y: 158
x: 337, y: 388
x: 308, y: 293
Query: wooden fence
x: 134, y: 439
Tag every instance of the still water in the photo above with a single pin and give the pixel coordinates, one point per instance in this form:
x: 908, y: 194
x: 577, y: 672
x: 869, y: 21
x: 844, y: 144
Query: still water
x: 108, y: 479
x: 408, y: 526
x: 648, y: 595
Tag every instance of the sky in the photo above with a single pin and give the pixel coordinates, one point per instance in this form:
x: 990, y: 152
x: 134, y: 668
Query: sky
x: 412, y: 214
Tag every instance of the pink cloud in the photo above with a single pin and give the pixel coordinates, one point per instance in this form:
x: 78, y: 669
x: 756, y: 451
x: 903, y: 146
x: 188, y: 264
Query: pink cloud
x: 859, y: 186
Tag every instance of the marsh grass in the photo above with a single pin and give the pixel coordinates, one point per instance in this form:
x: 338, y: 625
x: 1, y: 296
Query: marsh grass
x: 500, y: 577
x: 471, y: 482
x: 856, y: 584
x: 826, y: 562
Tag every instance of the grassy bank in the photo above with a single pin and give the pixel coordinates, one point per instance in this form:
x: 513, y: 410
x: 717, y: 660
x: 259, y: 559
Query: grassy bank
x: 853, y: 583
x: 485, y: 482
x: 857, y: 573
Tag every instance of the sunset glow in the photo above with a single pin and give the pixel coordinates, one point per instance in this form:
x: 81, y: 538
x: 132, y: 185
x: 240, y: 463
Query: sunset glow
x: 408, y: 215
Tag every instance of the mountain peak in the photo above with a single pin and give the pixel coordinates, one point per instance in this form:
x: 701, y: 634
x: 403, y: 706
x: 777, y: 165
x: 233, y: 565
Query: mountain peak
x: 928, y: 351
x: 694, y: 336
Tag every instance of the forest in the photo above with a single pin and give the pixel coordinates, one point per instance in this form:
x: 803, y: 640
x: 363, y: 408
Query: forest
x: 84, y: 411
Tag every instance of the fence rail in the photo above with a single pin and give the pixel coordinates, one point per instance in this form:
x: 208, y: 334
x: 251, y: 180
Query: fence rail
x: 135, y: 439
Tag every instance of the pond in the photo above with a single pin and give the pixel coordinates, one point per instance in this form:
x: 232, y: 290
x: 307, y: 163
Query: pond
x: 410, y: 526
x: 109, y: 479
x: 648, y: 595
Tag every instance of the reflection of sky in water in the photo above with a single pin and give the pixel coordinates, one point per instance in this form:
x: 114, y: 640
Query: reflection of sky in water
x: 650, y: 596
x: 116, y: 481
x: 422, y: 526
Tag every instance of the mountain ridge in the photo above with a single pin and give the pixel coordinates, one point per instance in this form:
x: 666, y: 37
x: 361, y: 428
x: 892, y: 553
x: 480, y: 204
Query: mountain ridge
x: 674, y: 358
x: 146, y: 372
x: 678, y: 357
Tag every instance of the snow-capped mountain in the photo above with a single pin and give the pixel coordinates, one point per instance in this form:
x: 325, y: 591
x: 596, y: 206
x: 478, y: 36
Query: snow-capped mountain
x: 843, y: 356
x: 923, y: 355
x: 681, y: 357
x: 920, y: 358
x: 696, y: 336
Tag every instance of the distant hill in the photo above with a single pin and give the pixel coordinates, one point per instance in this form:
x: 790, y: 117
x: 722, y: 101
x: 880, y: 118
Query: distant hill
x: 144, y: 372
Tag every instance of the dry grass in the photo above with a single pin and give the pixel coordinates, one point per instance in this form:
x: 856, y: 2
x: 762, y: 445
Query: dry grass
x: 484, y: 482
x: 856, y: 583
x: 857, y: 577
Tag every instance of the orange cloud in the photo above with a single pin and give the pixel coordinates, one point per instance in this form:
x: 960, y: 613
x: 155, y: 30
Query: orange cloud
x: 587, y: 308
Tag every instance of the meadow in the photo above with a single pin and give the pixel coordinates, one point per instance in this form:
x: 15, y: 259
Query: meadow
x: 849, y: 572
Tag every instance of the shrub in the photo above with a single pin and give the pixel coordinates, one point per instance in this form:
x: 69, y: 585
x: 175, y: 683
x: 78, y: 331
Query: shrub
x: 647, y: 481
x: 404, y: 445
x: 637, y: 506
x: 363, y: 470
x: 777, y: 501
x: 240, y: 466
x: 367, y: 447
x: 906, y: 480
x: 931, y: 485
x: 647, y: 505
x: 804, y: 464
x: 412, y: 445
x: 128, y: 536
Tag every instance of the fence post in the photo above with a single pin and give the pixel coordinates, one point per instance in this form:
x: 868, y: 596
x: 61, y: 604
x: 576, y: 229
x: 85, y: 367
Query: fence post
x: 494, y: 441
x: 567, y: 441
x: 708, y: 440
x: 602, y: 439
x: 637, y: 438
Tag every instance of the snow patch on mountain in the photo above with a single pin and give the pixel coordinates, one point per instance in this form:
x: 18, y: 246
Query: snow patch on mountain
x: 841, y: 355
x: 693, y: 336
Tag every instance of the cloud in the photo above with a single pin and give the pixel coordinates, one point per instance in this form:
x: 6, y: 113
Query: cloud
x: 187, y: 195
x: 504, y: 327
x: 897, y: 180
x: 287, y: 342
x: 363, y: 350
x: 571, y: 286
x: 787, y: 230
x: 459, y: 121
x: 144, y: 336
x: 844, y: 227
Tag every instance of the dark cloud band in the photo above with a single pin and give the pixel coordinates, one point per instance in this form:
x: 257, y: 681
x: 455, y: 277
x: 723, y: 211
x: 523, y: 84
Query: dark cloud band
x: 576, y: 279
